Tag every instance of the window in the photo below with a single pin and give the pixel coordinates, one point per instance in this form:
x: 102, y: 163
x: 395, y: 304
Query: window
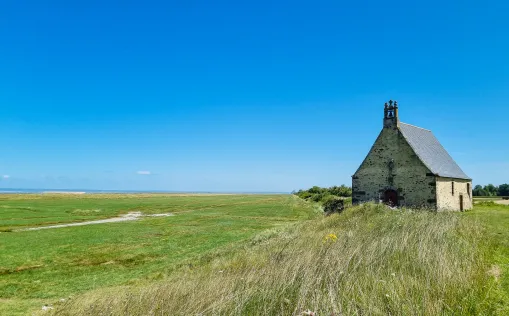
x: 452, y: 187
x: 468, y: 189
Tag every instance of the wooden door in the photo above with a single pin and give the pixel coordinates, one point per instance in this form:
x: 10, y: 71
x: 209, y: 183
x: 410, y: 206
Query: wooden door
x: 391, y: 198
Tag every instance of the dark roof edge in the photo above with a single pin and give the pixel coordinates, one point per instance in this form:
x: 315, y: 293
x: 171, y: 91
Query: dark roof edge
x: 449, y: 177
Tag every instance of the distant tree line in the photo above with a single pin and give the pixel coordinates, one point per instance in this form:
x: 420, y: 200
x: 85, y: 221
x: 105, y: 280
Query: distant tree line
x: 491, y: 190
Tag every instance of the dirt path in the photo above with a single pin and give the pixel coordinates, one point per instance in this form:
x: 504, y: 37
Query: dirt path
x: 503, y: 202
x: 131, y: 216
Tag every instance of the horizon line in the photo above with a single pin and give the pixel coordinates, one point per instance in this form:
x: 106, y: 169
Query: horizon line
x: 50, y: 190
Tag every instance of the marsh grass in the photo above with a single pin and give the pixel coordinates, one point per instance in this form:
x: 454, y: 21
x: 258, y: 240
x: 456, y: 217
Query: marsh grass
x: 42, y: 267
x: 382, y: 262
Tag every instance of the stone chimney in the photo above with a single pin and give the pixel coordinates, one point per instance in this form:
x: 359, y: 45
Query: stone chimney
x: 391, y: 116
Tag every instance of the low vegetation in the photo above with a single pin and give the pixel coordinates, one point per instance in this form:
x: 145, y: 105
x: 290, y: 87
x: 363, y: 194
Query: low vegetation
x: 42, y: 267
x: 323, y: 195
x: 495, y: 219
x: 250, y: 255
x: 333, y: 205
x: 369, y: 260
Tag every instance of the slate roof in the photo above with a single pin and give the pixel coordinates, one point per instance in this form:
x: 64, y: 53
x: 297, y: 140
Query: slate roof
x: 431, y: 152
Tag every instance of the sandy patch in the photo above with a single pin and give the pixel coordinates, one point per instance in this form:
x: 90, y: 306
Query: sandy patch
x: 198, y: 194
x: 503, y: 202
x: 160, y: 215
x: 131, y: 216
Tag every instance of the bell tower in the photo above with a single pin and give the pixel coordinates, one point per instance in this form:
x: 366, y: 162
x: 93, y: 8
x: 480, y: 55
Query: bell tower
x: 391, y: 115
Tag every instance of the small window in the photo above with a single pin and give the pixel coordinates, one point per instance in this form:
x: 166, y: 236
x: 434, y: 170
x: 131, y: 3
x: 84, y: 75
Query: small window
x: 452, y: 187
x: 468, y: 189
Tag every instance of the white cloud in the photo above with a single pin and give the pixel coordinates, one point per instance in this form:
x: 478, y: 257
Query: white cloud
x: 6, y: 176
x: 144, y: 172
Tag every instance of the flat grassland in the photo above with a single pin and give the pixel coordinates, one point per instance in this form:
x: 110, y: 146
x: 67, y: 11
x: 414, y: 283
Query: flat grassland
x: 43, y: 266
x: 249, y: 255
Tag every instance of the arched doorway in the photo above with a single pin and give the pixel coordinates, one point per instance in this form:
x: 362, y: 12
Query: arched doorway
x: 391, y: 198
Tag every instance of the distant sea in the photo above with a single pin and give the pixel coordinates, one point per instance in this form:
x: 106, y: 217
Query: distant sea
x: 86, y: 191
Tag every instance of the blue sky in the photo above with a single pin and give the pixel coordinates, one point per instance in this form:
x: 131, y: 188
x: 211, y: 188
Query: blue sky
x: 235, y: 96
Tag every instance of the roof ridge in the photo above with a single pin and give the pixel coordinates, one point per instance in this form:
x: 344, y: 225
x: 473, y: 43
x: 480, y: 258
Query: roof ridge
x: 416, y: 126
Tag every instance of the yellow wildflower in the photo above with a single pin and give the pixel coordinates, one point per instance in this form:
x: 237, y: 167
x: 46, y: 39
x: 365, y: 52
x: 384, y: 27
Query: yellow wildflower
x: 330, y: 238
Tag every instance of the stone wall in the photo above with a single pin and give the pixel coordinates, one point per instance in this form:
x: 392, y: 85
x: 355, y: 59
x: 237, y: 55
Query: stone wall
x: 415, y: 185
x: 446, y: 200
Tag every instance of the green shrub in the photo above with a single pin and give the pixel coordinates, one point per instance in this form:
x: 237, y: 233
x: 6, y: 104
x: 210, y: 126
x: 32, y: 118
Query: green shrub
x: 333, y: 204
x: 318, y: 194
x: 320, y: 197
x: 304, y: 195
x: 342, y: 191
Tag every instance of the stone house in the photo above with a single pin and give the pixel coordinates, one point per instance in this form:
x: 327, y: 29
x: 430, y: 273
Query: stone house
x: 407, y: 166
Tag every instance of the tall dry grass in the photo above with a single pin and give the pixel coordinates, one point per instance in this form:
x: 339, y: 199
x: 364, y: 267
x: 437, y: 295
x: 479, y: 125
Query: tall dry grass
x: 383, y: 262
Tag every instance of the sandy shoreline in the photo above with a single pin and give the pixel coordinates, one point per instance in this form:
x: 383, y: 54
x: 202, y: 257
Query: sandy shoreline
x: 60, y: 192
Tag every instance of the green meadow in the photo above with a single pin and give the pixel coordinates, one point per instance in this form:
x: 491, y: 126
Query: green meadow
x: 43, y: 266
x: 249, y: 255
